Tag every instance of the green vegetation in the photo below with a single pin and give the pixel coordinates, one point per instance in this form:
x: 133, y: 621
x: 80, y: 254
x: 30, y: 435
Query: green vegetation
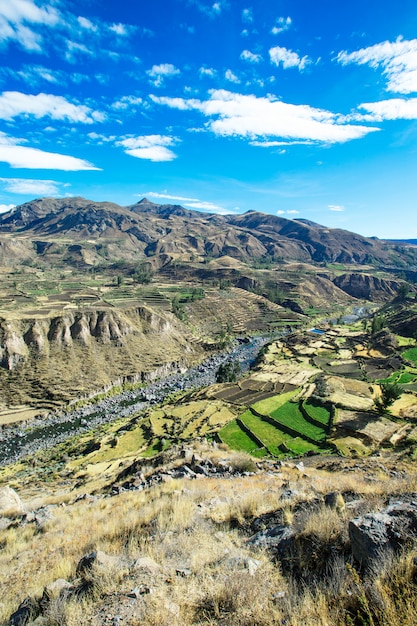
x: 317, y: 412
x: 142, y: 274
x: 274, y: 293
x: 237, y: 439
x: 390, y: 392
x: 271, y: 404
x: 378, y: 323
x: 411, y: 355
x: 290, y: 415
x: 228, y: 372
x: 280, y: 426
x: 178, y: 309
x: 270, y: 436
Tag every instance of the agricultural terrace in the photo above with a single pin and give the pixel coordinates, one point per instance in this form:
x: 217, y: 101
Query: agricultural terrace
x: 279, y: 427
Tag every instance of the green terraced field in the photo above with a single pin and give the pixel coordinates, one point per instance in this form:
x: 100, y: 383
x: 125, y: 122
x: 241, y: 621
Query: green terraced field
x: 290, y: 415
x: 316, y: 412
x: 300, y: 446
x: 411, y: 355
x: 271, y: 436
x: 234, y: 436
x: 276, y: 441
x: 275, y: 402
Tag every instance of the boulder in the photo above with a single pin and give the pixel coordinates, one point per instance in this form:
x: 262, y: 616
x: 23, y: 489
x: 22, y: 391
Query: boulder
x: 244, y: 563
x: 272, y: 538
x: 57, y: 588
x: 375, y: 535
x: 40, y: 517
x: 334, y: 500
x: 10, y: 501
x: 27, y: 611
x: 147, y: 565
x: 99, y: 559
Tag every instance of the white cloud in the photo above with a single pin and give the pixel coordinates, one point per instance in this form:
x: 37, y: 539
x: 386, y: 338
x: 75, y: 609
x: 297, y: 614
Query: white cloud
x: 279, y: 212
x: 159, y: 72
x: 394, y: 109
x: 155, y: 194
x: 336, y: 207
x: 231, y: 77
x: 176, y: 103
x: 74, y: 50
x: 247, y: 16
x: 15, y: 103
x: 276, y: 144
x: 33, y: 158
x: 127, y: 102
x: 288, y: 58
x: 293, y: 212
x: 6, y: 207
x: 87, y: 24
x: 194, y: 203
x: 250, y: 117
x: 281, y: 25
x: 251, y: 57
x: 102, y: 138
x: 30, y: 186
x: 207, y: 71
x: 120, y: 29
x: 33, y: 75
x: 150, y: 147
x: 212, y: 10
x: 398, y: 60
x: 207, y: 206
x: 16, y: 15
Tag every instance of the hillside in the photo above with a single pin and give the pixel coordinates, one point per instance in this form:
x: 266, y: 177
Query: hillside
x: 172, y: 230
x: 240, y: 503
x: 90, y: 289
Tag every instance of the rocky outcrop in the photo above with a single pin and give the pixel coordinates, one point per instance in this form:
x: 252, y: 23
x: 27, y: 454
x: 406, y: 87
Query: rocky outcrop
x: 78, y: 353
x: 367, y: 287
x: 375, y: 535
x: 10, y: 501
x: 22, y: 339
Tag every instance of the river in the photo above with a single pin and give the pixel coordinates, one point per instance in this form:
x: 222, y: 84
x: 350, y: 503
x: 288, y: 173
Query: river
x: 17, y: 442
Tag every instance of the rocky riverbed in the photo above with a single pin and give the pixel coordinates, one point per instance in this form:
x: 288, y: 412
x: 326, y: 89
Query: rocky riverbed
x: 20, y: 441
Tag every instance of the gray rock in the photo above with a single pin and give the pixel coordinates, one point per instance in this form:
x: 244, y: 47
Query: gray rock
x: 99, y: 559
x: 137, y: 592
x: 147, y: 565
x: 42, y: 517
x: 184, y: 572
x: 86, y: 563
x: 5, y: 522
x: 289, y: 494
x: 27, y: 611
x: 334, y: 500
x: 199, y: 469
x: 57, y: 588
x: 375, y: 535
x: 271, y: 537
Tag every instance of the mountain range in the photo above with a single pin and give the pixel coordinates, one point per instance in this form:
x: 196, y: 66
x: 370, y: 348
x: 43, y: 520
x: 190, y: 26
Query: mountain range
x: 169, y: 232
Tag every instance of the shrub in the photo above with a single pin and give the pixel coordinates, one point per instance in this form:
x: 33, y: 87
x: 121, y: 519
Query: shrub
x: 228, y: 372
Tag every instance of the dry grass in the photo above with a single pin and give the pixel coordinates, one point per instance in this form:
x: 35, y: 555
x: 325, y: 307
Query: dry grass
x: 202, y: 526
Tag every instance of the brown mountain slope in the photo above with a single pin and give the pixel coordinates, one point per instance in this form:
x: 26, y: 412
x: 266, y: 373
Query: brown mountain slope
x: 322, y: 244
x: 147, y: 229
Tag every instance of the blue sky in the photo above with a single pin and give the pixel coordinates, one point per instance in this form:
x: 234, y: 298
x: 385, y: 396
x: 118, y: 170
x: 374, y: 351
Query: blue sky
x: 297, y: 108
